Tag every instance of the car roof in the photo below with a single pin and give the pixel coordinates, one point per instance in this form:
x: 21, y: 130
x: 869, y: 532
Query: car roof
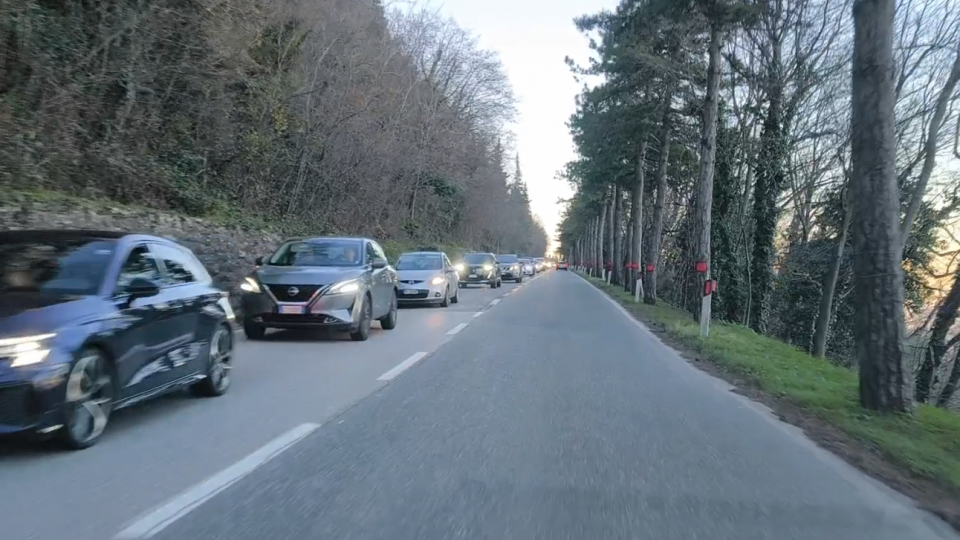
x: 309, y: 238
x: 421, y: 253
x: 9, y: 236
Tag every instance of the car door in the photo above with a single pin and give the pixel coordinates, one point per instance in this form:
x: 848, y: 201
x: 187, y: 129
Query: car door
x: 140, y: 327
x: 453, y: 277
x: 181, y: 292
x: 381, y: 280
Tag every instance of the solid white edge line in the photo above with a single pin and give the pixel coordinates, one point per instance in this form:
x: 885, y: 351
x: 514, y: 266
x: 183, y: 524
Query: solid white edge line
x: 402, y: 366
x: 181, y: 505
x: 495, y: 302
x: 477, y: 314
x: 457, y: 328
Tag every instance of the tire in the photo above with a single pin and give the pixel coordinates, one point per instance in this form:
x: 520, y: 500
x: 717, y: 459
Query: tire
x: 219, y: 364
x: 389, y: 321
x: 499, y: 283
x: 254, y: 332
x: 446, y: 298
x: 362, y: 331
x: 456, y: 297
x: 88, y: 400
x: 519, y: 280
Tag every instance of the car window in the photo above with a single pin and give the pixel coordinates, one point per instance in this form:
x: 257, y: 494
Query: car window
x: 318, y: 252
x: 420, y: 261
x: 55, y: 265
x: 378, y: 250
x: 478, y: 258
x: 140, y: 263
x: 371, y: 252
x: 507, y: 259
x: 178, y: 266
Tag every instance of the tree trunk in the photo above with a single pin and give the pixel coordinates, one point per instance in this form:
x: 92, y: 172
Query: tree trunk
x: 617, y: 234
x: 656, y: 227
x: 951, y: 387
x: 770, y: 179
x: 875, y: 221
x: 601, y: 225
x: 825, y: 313
x: 629, y: 248
x: 636, y: 246
x: 936, y: 346
x: 700, y: 239
x: 612, y: 231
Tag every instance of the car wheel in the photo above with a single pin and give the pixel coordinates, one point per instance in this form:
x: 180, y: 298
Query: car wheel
x: 456, y: 297
x: 219, y: 364
x: 519, y: 280
x: 499, y: 283
x: 88, y: 400
x: 389, y: 321
x: 363, y: 326
x: 254, y: 331
x: 446, y: 298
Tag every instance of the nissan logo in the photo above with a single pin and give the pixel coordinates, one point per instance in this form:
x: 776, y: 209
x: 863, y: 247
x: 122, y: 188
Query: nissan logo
x: 293, y: 291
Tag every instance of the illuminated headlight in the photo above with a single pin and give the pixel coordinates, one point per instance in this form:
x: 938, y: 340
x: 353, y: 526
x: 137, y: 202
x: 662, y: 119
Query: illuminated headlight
x: 25, y: 351
x: 437, y: 280
x: 488, y: 267
x: 250, y: 285
x: 514, y: 268
x: 345, y: 287
x: 459, y: 267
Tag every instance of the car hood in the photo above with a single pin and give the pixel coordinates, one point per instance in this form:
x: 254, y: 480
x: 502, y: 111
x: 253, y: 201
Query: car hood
x: 28, y: 313
x: 420, y: 275
x: 306, y: 275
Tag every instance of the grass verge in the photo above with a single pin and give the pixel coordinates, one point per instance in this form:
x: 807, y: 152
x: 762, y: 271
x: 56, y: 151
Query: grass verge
x: 919, y: 455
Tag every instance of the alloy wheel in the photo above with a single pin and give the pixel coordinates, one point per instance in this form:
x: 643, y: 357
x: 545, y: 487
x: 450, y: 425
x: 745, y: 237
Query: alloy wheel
x: 89, y: 398
x: 220, y: 353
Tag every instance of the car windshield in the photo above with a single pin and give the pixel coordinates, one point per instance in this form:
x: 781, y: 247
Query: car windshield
x: 319, y: 252
x: 507, y: 259
x: 477, y: 258
x: 420, y: 261
x: 72, y: 265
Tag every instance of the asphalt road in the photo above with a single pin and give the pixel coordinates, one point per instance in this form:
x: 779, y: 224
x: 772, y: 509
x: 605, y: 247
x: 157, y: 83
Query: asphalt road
x: 153, y: 452
x: 551, y: 416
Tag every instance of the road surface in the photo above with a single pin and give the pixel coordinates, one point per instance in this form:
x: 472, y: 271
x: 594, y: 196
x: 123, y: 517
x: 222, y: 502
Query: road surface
x: 153, y: 452
x: 550, y: 416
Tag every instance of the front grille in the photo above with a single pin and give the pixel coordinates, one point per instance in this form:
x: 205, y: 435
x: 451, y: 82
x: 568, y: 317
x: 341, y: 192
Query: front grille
x: 310, y: 318
x: 304, y: 292
x: 15, y: 404
x: 419, y: 296
x: 411, y: 281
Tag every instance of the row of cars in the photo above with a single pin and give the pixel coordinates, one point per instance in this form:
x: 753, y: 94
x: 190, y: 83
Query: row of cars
x: 95, y: 321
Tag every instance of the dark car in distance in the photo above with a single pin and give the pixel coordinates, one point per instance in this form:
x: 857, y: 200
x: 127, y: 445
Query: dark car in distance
x: 92, y: 321
x: 510, y: 267
x: 479, y: 268
x: 342, y: 284
x: 563, y: 265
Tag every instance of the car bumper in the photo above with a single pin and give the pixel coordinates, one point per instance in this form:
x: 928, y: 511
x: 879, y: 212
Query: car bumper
x: 509, y: 274
x: 339, y: 311
x: 31, y: 397
x: 479, y: 278
x: 420, y: 293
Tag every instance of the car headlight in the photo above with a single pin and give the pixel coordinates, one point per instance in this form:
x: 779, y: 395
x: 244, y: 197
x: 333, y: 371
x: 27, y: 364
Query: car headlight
x: 459, y: 267
x: 437, y: 280
x: 488, y: 267
x: 250, y: 285
x: 27, y: 350
x: 514, y: 268
x: 345, y: 287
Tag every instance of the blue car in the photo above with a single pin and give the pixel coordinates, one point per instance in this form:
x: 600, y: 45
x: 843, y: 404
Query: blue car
x: 91, y: 322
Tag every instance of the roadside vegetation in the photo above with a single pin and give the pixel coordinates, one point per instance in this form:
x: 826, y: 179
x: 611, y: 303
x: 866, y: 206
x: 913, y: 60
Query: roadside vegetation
x: 341, y: 117
x: 803, y: 154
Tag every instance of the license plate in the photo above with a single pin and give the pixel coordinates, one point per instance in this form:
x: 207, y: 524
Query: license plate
x: 410, y: 291
x: 473, y: 275
x: 292, y: 310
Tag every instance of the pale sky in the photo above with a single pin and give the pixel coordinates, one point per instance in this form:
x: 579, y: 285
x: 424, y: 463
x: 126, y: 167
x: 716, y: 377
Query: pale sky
x: 532, y: 38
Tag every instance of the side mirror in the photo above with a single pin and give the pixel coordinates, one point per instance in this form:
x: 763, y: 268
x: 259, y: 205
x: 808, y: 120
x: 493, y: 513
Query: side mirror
x: 142, y: 288
x: 258, y: 261
x: 378, y: 263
